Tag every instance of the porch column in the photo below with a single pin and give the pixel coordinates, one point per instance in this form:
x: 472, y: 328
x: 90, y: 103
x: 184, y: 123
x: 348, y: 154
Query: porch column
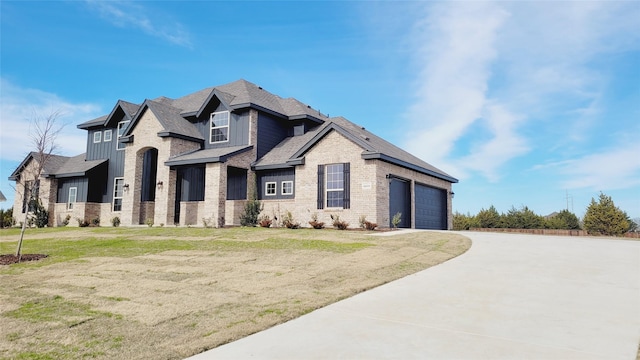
x: 215, y: 193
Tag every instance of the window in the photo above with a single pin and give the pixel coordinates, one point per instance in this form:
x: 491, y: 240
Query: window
x: 118, y: 190
x: 287, y: 188
x: 219, y: 127
x: 97, y: 137
x: 107, y: 135
x: 270, y: 188
x: 335, y: 185
x: 122, y: 126
x: 73, y: 194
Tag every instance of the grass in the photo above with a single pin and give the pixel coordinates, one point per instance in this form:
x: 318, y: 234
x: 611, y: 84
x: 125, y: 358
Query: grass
x: 168, y: 293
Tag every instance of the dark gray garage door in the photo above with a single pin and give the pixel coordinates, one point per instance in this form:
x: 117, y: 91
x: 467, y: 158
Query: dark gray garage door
x: 400, y: 201
x: 431, y: 208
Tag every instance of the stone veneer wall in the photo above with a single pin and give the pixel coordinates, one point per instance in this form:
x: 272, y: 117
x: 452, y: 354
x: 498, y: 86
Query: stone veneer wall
x: 333, y: 148
x: 146, y: 137
x: 47, y: 193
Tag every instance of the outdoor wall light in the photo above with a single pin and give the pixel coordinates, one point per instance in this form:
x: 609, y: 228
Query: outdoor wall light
x: 452, y: 194
x: 159, y: 183
x: 125, y: 187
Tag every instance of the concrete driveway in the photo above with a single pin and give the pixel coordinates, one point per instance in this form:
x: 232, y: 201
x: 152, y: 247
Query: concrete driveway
x: 509, y: 297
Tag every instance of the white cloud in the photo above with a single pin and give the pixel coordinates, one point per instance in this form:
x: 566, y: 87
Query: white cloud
x: 611, y: 169
x: 134, y: 15
x: 520, y: 72
x: 18, y: 106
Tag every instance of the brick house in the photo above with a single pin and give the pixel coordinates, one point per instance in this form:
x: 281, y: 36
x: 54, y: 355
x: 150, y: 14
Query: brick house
x: 201, y: 156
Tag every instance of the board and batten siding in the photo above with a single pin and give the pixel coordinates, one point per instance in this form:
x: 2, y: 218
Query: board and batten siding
x: 106, y: 150
x: 238, y: 129
x: 65, y: 184
x: 270, y: 133
x: 277, y: 176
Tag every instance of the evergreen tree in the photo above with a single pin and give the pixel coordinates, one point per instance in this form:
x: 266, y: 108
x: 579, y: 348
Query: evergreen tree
x: 488, y: 218
x: 604, y: 218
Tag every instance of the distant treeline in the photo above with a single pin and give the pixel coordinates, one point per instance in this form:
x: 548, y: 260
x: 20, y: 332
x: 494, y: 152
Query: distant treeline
x: 601, y: 218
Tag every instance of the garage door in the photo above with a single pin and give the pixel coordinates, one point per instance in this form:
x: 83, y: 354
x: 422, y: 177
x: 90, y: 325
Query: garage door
x: 400, y: 201
x: 431, y: 208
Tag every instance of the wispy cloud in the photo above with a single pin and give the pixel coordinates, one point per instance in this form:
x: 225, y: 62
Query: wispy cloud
x: 19, y: 105
x: 128, y: 14
x: 517, y: 73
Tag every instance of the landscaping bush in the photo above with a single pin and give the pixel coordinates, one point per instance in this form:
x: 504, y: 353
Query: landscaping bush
x: 287, y: 221
x: 315, y: 223
x: 252, y: 209
x: 265, y: 221
x: 115, y: 221
x: 6, y: 218
x: 339, y: 224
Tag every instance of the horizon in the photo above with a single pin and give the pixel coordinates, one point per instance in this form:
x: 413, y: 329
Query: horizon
x: 527, y: 104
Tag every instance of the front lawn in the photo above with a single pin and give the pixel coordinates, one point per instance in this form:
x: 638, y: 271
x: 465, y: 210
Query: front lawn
x: 172, y: 292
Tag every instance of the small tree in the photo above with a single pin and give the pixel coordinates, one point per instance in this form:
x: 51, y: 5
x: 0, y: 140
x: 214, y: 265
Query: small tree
x: 44, y: 132
x: 604, y: 218
x: 565, y: 219
x: 488, y: 218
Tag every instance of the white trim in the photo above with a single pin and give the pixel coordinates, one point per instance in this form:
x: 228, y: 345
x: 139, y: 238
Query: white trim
x: 97, y: 137
x: 75, y: 197
x: 266, y: 188
x: 211, y: 127
x: 107, y: 132
x: 113, y: 202
x: 326, y: 186
x: 282, y: 192
x: 122, y: 126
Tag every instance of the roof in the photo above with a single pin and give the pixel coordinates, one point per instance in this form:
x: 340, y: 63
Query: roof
x: 291, y: 151
x: 207, y: 156
x: 60, y: 166
x: 128, y: 108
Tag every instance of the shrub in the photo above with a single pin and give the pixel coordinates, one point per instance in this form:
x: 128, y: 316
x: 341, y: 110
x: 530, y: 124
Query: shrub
x: 339, y: 224
x: 66, y: 220
x: 368, y: 225
x: 252, y: 209
x: 6, y: 218
x: 563, y: 220
x: 287, y: 220
x: 463, y: 222
x: 396, y: 220
x: 115, y: 221
x: 95, y: 222
x: 149, y: 222
x: 265, y: 221
x: 82, y: 222
x: 488, y: 218
x: 315, y: 223
x: 207, y: 222
x: 40, y: 214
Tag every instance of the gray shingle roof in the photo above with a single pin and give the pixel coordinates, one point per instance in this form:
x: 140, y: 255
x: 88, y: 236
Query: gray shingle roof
x: 206, y: 155
x: 373, y: 147
x: 60, y: 166
x: 171, y: 120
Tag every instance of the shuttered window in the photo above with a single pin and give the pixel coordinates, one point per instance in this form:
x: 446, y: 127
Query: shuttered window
x: 334, y: 188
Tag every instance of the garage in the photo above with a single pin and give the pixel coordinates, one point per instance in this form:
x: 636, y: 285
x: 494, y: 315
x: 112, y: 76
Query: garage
x: 431, y: 207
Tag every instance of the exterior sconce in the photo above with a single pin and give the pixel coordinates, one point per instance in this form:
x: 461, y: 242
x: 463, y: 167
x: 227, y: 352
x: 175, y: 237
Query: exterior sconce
x: 159, y: 184
x: 125, y: 187
x: 452, y: 194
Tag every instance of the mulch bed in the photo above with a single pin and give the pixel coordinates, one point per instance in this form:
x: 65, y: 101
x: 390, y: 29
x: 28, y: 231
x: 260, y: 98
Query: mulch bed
x: 9, y: 259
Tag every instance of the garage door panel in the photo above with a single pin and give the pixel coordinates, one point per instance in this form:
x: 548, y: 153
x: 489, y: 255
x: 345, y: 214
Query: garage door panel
x: 431, y: 207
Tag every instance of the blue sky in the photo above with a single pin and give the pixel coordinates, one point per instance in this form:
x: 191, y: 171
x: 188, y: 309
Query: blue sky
x: 527, y: 103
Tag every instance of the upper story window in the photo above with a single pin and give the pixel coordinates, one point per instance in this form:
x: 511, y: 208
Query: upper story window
x: 122, y: 126
x: 107, y: 135
x: 97, y: 137
x: 219, y: 127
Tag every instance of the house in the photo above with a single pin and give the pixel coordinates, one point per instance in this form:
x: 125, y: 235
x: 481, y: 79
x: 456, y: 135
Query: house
x: 201, y: 156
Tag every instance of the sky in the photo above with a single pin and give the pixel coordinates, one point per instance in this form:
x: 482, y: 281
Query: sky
x: 531, y: 104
